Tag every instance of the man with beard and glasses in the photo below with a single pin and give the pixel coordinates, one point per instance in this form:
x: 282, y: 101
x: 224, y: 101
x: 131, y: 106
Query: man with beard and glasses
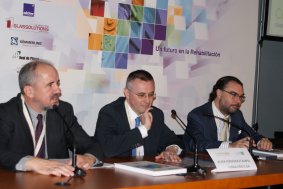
x: 33, y: 136
x: 225, y: 101
x: 132, y: 126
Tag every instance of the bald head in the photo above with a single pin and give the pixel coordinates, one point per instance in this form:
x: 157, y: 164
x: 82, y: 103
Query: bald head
x: 28, y: 73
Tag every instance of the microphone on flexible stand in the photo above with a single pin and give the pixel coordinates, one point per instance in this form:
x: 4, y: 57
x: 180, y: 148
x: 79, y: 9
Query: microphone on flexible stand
x: 195, y: 168
x: 255, y: 127
x: 78, y: 172
x: 238, y: 127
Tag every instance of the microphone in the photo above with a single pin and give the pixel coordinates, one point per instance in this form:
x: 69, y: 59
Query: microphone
x: 195, y: 168
x: 255, y: 127
x: 238, y: 127
x: 78, y: 172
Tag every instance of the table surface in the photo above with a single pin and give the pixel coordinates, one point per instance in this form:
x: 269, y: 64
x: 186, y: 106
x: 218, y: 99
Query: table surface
x: 269, y: 172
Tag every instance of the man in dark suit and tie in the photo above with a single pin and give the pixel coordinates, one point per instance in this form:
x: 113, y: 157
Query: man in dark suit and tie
x: 22, y: 146
x: 225, y: 101
x: 119, y: 131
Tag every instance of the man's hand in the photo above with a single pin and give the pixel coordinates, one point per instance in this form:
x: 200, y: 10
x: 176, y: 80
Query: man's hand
x: 49, y: 167
x: 264, y: 144
x: 85, y: 161
x: 169, y: 155
x: 242, y: 143
x: 146, y: 118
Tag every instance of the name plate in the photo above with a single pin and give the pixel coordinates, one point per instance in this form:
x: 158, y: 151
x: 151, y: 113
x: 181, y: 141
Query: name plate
x: 232, y: 159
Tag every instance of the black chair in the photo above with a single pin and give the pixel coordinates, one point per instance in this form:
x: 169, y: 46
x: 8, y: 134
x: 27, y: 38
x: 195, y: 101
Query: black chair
x: 278, y: 139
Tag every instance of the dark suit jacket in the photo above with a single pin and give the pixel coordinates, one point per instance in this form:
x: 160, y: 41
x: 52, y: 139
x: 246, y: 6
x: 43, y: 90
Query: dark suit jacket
x: 116, y: 138
x: 204, y: 129
x: 16, y: 140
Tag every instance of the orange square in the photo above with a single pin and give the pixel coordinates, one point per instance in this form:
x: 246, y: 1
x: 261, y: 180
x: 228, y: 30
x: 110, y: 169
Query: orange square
x: 178, y: 11
x: 138, y: 2
x: 170, y: 20
x: 95, y: 41
x: 110, y: 26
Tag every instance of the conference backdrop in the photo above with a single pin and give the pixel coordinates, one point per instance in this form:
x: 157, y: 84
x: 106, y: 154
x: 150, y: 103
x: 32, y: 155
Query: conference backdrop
x: 185, y: 44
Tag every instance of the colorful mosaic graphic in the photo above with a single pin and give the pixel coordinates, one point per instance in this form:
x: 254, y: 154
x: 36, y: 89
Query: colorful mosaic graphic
x: 94, y: 44
x: 133, y: 31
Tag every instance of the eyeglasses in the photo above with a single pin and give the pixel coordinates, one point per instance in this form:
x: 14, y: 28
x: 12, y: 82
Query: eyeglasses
x: 236, y: 95
x: 141, y: 95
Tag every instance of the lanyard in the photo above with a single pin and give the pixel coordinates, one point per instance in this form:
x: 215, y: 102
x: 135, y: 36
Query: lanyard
x: 32, y: 129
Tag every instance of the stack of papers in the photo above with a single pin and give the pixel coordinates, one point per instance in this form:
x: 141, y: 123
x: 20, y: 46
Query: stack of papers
x: 150, y: 168
x: 272, y: 154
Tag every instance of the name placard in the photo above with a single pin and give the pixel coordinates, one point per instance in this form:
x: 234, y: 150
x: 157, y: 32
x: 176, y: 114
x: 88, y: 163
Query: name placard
x: 232, y: 159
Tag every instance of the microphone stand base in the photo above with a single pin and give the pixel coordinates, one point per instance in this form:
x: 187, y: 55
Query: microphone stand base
x: 62, y: 184
x: 79, y: 172
x: 194, y: 169
x: 255, y: 158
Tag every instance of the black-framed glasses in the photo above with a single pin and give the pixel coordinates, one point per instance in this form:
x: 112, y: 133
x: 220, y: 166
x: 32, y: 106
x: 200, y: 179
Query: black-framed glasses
x: 236, y: 95
x: 142, y: 95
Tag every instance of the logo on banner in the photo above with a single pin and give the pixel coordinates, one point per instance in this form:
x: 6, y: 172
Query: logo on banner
x: 11, y: 24
x: 24, y: 42
x: 18, y: 55
x: 14, y: 40
x: 28, y: 10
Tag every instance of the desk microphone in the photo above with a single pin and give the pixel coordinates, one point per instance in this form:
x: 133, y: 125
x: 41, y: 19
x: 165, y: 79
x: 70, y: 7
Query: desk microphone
x: 78, y: 172
x: 238, y: 127
x: 255, y: 127
x: 195, y: 168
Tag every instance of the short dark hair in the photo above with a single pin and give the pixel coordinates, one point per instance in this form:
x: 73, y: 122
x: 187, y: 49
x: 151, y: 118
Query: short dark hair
x: 139, y: 74
x: 221, y: 84
x: 27, y: 73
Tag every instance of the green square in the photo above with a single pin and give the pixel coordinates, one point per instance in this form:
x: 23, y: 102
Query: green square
x: 123, y: 27
x: 136, y: 13
x: 109, y: 43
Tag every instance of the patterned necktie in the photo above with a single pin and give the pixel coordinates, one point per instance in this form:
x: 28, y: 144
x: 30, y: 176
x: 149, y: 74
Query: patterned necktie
x: 38, y: 130
x: 137, y: 123
x: 224, y: 131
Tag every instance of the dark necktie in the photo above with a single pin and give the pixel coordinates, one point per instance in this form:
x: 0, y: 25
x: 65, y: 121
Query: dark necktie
x: 137, y: 123
x: 38, y: 130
